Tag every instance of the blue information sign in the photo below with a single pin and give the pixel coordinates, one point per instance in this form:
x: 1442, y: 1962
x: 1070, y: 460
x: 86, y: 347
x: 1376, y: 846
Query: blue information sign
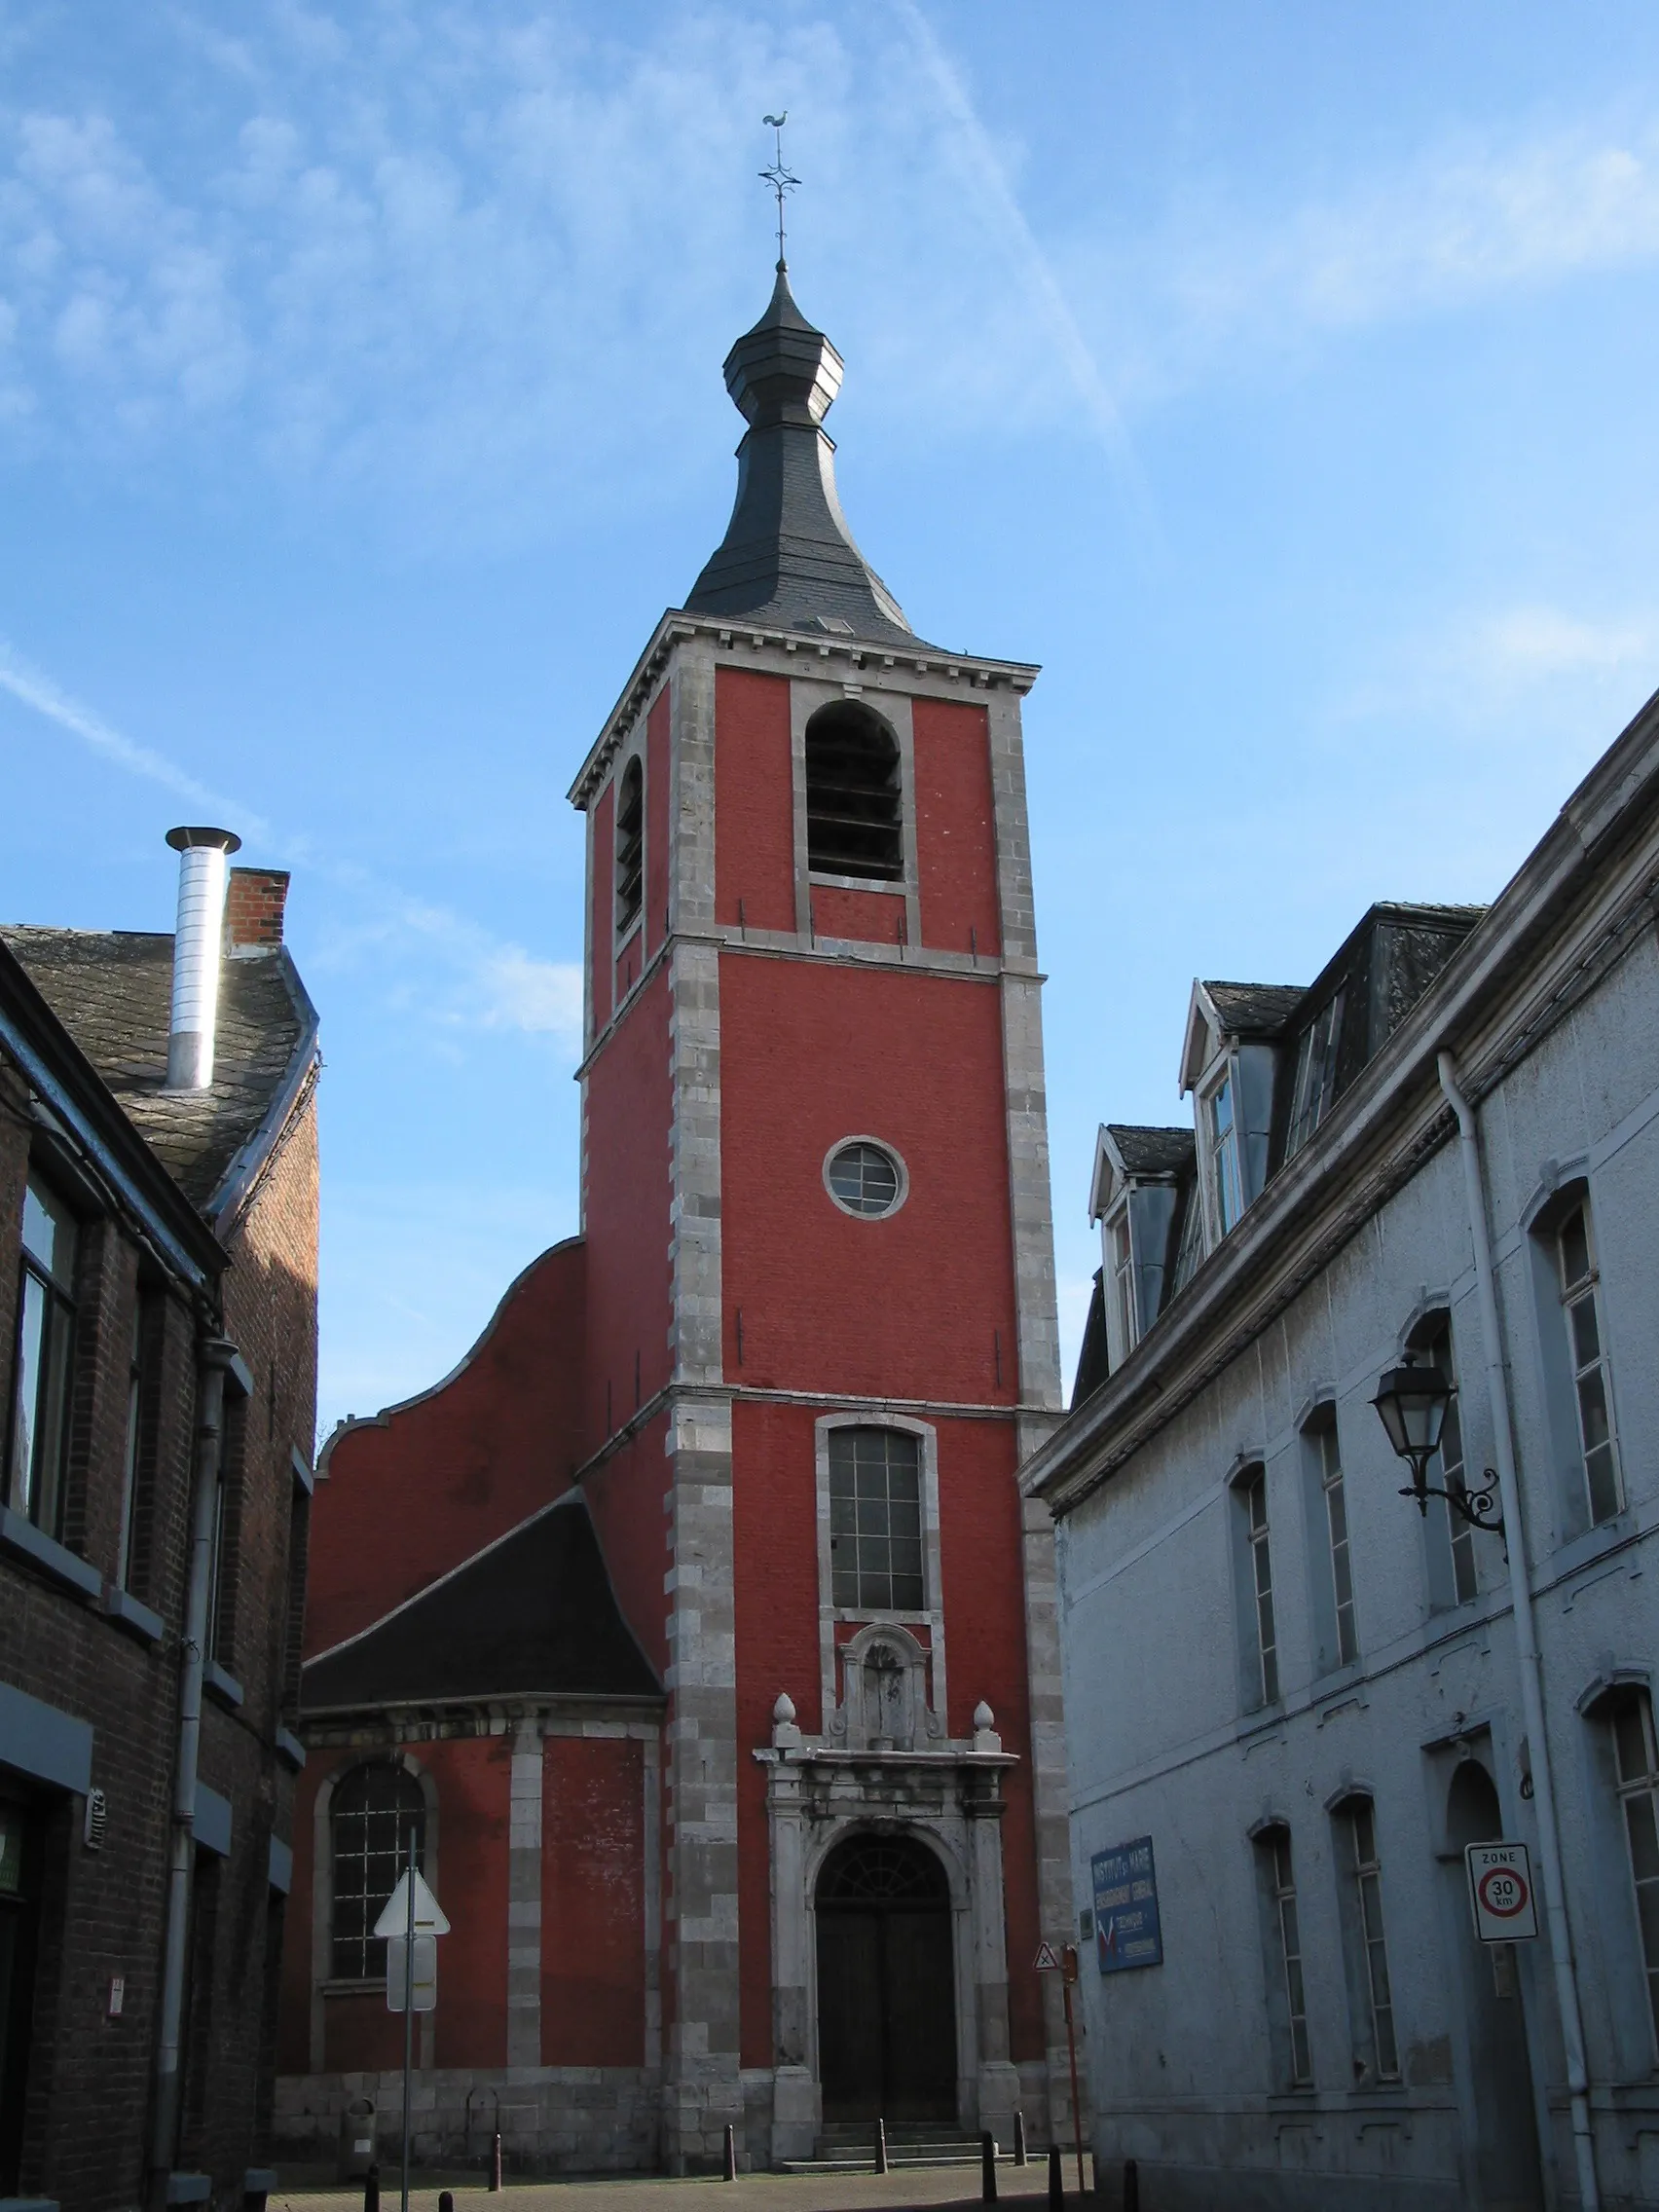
x: 1126, y: 1933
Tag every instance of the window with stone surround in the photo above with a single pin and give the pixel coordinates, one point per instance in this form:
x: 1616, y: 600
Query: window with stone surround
x: 630, y: 847
x: 875, y: 1520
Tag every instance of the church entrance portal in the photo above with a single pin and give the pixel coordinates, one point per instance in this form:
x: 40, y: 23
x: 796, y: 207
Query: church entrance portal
x: 886, y: 1982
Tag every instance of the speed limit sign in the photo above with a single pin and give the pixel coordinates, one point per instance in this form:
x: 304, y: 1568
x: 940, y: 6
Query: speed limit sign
x: 1501, y: 1892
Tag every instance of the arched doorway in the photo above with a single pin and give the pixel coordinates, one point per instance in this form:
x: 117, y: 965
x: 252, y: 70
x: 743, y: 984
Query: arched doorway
x: 1505, y: 2150
x: 886, y: 1982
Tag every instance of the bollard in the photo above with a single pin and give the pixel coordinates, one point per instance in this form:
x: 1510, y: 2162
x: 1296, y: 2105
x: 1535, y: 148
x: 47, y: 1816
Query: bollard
x: 1132, y: 2185
x: 880, y: 2145
x: 1056, y: 2180
x: 446, y: 2200
x: 987, y: 2167
x: 371, y: 2190
x: 1019, y: 2139
x: 730, y: 2166
x: 496, y: 2160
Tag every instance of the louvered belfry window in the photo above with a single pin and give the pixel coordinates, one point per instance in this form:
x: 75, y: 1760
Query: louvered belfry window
x: 854, y: 801
x: 630, y: 848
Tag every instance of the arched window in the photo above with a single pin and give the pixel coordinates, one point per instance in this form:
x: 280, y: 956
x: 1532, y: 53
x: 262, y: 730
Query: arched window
x: 853, y: 796
x: 875, y: 1520
x: 370, y: 1815
x: 630, y: 847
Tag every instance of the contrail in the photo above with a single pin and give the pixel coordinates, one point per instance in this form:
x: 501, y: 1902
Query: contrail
x: 517, y: 990
x: 1074, y: 348
x: 38, y: 692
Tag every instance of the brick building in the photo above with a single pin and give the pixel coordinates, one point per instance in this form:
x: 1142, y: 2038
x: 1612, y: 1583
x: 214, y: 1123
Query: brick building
x: 694, y: 1622
x: 158, y: 1347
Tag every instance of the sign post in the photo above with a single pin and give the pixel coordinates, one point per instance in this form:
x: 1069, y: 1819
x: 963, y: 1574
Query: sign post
x: 411, y: 1921
x: 1065, y: 1963
x: 1501, y: 1896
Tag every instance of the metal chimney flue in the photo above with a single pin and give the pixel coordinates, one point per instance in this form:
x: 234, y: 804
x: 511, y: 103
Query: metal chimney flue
x: 204, y: 858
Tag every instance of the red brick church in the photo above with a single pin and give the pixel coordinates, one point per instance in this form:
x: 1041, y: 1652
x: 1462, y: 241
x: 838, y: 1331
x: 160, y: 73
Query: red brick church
x: 695, y: 1622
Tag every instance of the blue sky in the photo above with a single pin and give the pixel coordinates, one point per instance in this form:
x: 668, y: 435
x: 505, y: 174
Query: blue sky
x: 1283, y: 379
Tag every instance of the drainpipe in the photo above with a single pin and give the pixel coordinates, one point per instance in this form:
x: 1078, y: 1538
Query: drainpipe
x: 1527, y: 1649
x: 213, y: 1356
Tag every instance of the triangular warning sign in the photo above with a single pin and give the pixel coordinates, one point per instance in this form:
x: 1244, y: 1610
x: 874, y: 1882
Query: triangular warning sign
x: 428, y: 1913
x: 1047, y: 1960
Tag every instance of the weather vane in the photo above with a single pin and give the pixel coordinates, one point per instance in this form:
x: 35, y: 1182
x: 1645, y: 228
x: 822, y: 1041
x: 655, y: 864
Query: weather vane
x: 781, y: 179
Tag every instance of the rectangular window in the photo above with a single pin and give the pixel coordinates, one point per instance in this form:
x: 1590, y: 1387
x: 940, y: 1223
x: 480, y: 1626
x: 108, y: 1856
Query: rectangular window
x: 1262, y: 1583
x: 1358, y: 1819
x: 875, y: 1520
x: 1124, y: 1283
x: 142, y: 1409
x: 1638, y: 1766
x: 1580, y: 1297
x: 1285, y: 1948
x: 45, y: 1359
x: 1228, y: 1185
x: 1337, y: 1535
x: 223, y: 1589
x: 1315, y: 1074
x: 1448, y: 1473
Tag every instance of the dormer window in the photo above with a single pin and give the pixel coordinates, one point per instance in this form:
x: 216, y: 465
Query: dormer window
x: 1226, y: 1188
x: 1315, y: 1084
x: 630, y: 847
x: 853, y: 799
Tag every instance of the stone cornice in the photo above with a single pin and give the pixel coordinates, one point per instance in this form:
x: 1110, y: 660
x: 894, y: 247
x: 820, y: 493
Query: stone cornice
x: 784, y: 652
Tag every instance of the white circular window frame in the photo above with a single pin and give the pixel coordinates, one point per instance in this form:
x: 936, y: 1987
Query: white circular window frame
x: 887, y: 1152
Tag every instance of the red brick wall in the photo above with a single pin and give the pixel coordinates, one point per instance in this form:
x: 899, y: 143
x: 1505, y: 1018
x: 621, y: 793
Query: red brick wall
x: 865, y: 917
x: 754, y: 800
x: 601, y: 896
x: 593, y: 1903
x: 628, y: 1112
x: 625, y: 1497
x: 914, y: 1305
x: 956, y: 851
x: 478, y: 1455
x: 254, y: 900
x: 474, y: 1780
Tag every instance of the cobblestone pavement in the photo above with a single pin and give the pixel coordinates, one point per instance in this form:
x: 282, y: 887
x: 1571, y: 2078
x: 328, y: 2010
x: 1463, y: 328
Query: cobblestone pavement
x: 929, y: 2186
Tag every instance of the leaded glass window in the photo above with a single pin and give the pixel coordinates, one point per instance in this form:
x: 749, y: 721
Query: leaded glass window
x: 875, y: 1520
x: 371, y: 1815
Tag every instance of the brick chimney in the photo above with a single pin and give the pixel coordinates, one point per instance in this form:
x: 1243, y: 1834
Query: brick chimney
x: 254, y: 910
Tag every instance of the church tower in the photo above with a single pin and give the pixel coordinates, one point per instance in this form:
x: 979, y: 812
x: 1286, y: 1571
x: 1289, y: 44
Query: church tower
x: 820, y: 1322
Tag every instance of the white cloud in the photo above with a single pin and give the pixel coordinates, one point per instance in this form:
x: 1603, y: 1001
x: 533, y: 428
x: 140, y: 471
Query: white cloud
x: 543, y: 997
x: 1529, y: 642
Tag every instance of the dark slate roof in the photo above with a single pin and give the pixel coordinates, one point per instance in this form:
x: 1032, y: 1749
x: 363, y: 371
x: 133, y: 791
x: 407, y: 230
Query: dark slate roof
x: 1093, y: 1364
x: 788, y: 560
x: 1254, y: 1010
x: 534, y: 1614
x: 1152, y: 1152
x: 112, y: 990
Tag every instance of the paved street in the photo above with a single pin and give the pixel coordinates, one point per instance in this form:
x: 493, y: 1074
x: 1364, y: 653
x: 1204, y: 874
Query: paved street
x: 932, y: 2186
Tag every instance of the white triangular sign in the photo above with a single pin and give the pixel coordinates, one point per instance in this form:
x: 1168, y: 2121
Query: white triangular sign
x: 1046, y: 1960
x: 428, y: 1913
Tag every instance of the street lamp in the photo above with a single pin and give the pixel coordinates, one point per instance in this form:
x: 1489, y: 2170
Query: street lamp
x: 1411, y: 1403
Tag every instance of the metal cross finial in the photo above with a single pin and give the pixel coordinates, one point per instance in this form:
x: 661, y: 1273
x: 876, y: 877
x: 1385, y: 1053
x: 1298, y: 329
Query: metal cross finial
x: 777, y: 176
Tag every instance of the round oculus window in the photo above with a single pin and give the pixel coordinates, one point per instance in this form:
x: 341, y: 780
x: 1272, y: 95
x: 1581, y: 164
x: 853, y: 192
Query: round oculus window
x: 865, y: 1178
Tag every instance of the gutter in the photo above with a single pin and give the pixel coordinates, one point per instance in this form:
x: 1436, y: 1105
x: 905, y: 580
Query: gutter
x: 247, y: 1163
x: 214, y: 1357
x: 1527, y: 1645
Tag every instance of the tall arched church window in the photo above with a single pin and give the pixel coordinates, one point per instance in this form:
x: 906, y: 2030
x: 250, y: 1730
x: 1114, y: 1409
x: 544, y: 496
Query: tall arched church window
x: 875, y: 1520
x: 630, y: 847
x: 854, y: 803
x: 371, y: 1814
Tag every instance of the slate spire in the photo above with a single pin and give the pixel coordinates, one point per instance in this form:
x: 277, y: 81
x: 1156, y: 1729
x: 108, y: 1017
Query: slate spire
x: 788, y: 560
